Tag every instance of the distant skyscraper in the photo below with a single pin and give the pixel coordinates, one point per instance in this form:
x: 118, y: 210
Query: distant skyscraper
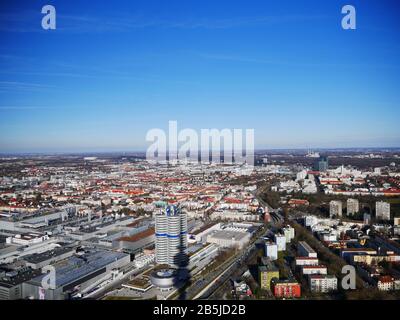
x: 171, y: 237
x: 382, y: 210
x: 353, y: 206
x: 335, y: 208
x: 321, y: 164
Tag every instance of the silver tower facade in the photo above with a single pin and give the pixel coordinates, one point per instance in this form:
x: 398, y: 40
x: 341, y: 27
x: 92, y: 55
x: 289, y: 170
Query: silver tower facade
x: 171, y: 237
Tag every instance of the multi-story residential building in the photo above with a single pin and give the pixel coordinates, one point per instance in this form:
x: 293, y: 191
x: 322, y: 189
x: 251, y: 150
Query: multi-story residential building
x: 322, y: 283
x: 280, y: 241
x: 271, y: 250
x: 385, y: 283
x: 304, y: 250
x: 367, y: 218
x: 306, y: 261
x: 286, y: 289
x: 320, y: 269
x: 266, y: 274
x: 353, y: 206
x: 335, y: 209
x: 288, y: 232
x: 382, y: 210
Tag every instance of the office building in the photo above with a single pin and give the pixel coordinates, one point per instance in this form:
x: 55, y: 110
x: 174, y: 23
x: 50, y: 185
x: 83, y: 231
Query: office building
x: 171, y: 236
x: 321, y: 164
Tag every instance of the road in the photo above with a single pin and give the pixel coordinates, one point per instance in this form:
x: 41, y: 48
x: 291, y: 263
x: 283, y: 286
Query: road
x: 232, y: 266
x: 220, y: 279
x: 242, y: 267
x: 115, y: 284
x: 277, y: 218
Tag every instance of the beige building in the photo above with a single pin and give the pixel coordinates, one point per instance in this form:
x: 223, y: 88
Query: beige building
x: 382, y: 210
x: 353, y: 206
x: 335, y: 209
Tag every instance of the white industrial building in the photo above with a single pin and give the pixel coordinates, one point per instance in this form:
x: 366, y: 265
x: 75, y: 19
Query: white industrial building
x: 27, y: 239
x: 142, y: 260
x: 229, y: 239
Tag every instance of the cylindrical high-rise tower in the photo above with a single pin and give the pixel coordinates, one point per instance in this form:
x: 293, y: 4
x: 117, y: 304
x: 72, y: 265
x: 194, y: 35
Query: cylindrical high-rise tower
x: 171, y: 237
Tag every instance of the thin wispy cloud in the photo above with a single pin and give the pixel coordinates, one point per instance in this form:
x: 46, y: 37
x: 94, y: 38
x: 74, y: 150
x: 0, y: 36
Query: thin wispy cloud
x: 16, y: 108
x: 72, y: 74
x: 23, y: 86
x: 245, y: 21
x: 292, y: 63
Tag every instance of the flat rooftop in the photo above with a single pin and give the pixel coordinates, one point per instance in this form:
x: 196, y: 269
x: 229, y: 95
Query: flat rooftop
x: 16, y: 278
x: 40, y: 257
x: 139, y: 236
x: 205, y: 227
x: 228, y: 235
x: 306, y: 246
x: 77, y: 267
x: 139, y: 283
x: 270, y: 267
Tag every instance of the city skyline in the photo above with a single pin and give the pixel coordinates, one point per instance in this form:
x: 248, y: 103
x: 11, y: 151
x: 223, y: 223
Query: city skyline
x: 108, y: 74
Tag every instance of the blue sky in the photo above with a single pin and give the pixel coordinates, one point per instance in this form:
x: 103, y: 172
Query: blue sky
x: 112, y: 70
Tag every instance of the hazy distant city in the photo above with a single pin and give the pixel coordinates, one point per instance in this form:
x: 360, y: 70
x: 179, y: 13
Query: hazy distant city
x: 121, y: 227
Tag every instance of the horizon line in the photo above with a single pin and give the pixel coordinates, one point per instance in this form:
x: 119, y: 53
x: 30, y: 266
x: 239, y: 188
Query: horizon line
x: 144, y: 151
